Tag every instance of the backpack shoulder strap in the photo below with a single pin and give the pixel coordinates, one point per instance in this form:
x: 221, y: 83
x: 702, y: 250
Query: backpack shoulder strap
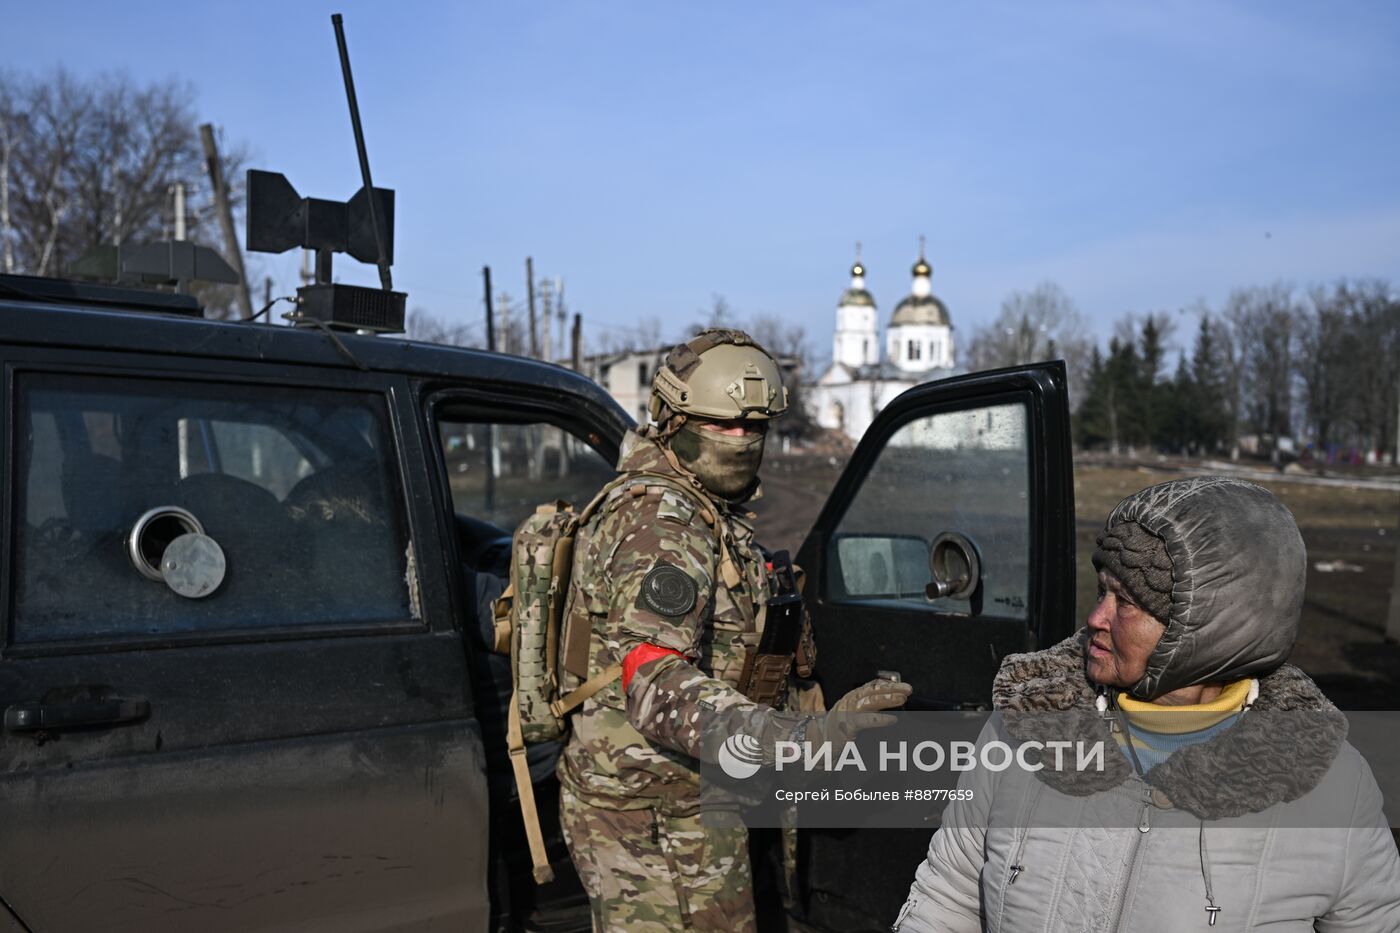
x: 515, y: 743
x: 585, y: 513
x: 571, y: 701
x: 705, y: 507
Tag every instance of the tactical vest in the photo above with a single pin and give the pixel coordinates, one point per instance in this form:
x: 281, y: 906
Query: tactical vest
x: 734, y: 621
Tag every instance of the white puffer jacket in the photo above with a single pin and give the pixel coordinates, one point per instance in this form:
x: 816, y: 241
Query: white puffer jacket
x: 1275, y: 821
x: 1024, y: 855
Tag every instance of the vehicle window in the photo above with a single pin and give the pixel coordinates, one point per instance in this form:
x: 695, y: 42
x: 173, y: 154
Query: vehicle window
x: 299, y: 489
x: 258, y: 453
x: 500, y: 472
x: 962, y: 471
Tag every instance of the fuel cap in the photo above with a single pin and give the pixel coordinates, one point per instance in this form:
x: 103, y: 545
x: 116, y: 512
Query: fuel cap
x: 193, y: 565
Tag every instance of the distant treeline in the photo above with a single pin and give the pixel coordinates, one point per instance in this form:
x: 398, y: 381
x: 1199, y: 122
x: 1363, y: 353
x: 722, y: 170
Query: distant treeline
x: 1317, y: 370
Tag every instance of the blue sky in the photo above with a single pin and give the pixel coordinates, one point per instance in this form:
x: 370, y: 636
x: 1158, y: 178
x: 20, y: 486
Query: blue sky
x: 1144, y: 156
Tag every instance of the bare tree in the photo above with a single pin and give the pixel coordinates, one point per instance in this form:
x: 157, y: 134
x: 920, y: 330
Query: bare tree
x: 429, y: 328
x: 648, y: 334
x: 1374, y: 316
x: 1042, y: 324
x: 604, y: 340
x: 1232, y: 382
x: 1130, y: 327
x: 785, y: 338
x: 8, y: 140
x: 1262, y: 321
x: 90, y: 162
x: 719, y: 314
x: 1327, y: 352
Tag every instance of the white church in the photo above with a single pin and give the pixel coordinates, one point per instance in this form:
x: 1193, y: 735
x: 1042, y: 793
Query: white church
x: 918, y: 348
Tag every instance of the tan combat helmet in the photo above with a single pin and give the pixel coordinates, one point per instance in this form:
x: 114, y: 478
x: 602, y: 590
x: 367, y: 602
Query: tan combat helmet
x: 719, y: 375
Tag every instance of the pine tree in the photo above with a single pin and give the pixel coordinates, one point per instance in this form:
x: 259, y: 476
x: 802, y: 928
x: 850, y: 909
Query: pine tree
x: 1178, y: 408
x: 1091, y: 422
x: 1211, y: 418
x: 1123, y: 376
x: 1148, y: 402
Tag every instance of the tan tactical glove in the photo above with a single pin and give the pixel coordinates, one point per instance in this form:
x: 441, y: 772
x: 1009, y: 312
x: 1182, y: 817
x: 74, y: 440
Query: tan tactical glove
x: 858, y: 710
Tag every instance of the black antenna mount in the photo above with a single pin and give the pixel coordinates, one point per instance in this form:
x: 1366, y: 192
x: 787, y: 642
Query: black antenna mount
x: 279, y: 219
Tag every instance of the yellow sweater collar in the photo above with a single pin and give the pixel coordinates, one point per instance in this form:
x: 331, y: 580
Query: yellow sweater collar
x: 1175, y: 720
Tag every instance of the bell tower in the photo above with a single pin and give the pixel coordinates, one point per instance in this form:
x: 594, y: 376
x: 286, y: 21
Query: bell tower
x: 856, y: 342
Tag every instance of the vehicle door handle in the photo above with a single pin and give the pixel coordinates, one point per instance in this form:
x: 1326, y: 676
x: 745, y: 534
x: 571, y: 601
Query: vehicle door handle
x: 36, y: 716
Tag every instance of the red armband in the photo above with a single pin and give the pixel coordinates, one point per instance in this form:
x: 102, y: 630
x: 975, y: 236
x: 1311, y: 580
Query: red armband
x: 640, y: 655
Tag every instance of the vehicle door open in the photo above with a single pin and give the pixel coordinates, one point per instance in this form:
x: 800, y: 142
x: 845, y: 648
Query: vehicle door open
x: 947, y: 544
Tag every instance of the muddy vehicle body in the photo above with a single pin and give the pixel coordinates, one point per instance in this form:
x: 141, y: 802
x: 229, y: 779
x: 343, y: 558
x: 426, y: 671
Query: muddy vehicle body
x: 311, y: 737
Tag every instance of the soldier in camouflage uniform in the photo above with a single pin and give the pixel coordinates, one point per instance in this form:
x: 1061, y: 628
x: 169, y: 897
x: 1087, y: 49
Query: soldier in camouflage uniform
x: 669, y: 578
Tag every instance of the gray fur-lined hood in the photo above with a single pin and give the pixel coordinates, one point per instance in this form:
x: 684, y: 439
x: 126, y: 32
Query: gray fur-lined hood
x: 1238, y: 572
x: 1278, y: 751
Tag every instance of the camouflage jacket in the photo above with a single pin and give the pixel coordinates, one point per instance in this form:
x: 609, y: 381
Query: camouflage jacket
x: 638, y: 748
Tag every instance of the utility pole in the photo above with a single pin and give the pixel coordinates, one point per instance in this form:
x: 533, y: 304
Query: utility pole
x: 578, y: 343
x: 491, y: 459
x: 507, y: 345
x: 546, y: 312
x: 179, y: 210
x: 116, y: 212
x: 490, y: 317
x: 216, y: 179
x: 1392, y: 623
x: 560, y: 312
x: 530, y: 298
x: 531, y: 435
x: 267, y: 291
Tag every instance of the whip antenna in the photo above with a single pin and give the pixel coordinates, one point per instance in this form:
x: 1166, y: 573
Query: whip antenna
x: 382, y: 260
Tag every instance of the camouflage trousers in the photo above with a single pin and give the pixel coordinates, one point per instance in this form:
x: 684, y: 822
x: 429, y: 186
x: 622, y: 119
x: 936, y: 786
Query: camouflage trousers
x: 647, y: 872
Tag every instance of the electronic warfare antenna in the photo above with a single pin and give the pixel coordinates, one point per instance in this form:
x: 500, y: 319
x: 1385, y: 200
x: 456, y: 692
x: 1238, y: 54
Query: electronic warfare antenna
x: 280, y: 219
x: 385, y: 277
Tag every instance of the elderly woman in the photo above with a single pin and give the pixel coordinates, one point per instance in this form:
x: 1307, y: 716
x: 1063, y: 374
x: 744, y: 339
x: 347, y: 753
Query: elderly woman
x: 1228, y: 798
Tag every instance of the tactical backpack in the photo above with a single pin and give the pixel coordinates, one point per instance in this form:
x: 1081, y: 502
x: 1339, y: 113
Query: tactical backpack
x: 543, y: 651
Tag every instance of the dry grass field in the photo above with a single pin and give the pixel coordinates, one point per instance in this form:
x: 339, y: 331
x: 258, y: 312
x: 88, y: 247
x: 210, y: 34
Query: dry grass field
x: 1342, y: 641
x: 1350, y: 531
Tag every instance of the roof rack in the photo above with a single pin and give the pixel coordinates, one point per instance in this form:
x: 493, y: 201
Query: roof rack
x: 63, y: 291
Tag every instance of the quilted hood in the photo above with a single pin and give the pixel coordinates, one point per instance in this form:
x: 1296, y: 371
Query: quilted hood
x: 1238, y: 572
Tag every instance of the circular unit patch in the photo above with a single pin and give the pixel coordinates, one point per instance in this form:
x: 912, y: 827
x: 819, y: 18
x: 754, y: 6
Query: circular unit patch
x: 667, y: 591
